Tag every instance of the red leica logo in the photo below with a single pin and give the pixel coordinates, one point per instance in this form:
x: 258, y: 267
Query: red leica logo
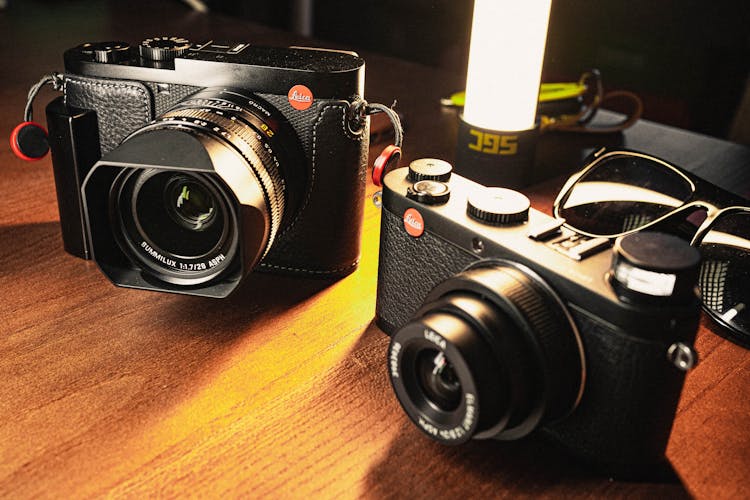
x: 300, y: 97
x: 413, y: 222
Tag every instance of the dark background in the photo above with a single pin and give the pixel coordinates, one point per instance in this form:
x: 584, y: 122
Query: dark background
x: 687, y: 59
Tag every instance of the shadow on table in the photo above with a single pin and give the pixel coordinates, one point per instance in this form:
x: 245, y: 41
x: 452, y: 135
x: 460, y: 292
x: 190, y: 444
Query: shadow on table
x: 71, y: 329
x: 32, y: 255
x: 532, y: 466
x: 419, y: 467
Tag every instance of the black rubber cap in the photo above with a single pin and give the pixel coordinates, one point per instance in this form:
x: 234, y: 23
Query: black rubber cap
x: 655, y: 266
x: 29, y: 141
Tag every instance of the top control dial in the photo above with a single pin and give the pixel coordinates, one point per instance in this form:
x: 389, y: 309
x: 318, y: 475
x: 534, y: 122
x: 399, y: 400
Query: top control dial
x: 106, y: 52
x: 163, y: 48
x: 498, y: 206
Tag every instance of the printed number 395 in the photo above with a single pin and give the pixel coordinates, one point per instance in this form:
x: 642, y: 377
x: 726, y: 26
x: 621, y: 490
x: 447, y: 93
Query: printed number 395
x: 495, y: 144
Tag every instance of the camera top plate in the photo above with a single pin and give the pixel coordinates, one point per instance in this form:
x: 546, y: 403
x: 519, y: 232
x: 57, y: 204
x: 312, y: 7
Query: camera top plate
x: 584, y: 281
x: 330, y: 74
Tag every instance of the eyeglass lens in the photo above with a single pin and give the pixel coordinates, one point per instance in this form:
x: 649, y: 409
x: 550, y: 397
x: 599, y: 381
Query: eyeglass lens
x: 725, y: 273
x: 623, y: 193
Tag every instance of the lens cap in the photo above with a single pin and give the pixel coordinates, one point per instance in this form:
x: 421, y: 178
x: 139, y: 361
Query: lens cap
x: 654, y: 266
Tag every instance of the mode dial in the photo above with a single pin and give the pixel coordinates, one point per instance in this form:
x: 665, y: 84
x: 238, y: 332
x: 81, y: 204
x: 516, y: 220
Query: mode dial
x: 163, y: 48
x: 106, y: 52
x: 498, y: 206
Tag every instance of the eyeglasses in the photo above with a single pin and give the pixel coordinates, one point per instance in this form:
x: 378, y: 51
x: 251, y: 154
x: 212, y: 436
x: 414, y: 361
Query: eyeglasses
x: 619, y: 192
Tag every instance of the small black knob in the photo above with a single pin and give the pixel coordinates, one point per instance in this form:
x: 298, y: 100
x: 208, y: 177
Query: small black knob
x: 653, y: 266
x: 429, y: 169
x: 498, y: 206
x: 29, y: 141
x: 106, y: 52
x: 429, y: 192
x: 163, y: 48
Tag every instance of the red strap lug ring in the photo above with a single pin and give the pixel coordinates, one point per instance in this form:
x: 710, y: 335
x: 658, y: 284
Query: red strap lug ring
x: 388, y: 158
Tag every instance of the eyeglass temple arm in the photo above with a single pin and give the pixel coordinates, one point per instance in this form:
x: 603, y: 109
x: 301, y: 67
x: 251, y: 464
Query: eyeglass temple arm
x: 565, y: 189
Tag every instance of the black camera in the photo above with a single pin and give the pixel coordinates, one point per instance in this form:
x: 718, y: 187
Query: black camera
x: 503, y: 321
x: 181, y: 167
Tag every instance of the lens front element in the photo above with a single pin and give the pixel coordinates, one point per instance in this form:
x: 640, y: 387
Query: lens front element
x: 189, y: 203
x: 179, y: 225
x: 438, y: 379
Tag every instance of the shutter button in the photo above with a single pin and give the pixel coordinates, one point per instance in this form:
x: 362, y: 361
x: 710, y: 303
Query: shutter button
x: 429, y: 192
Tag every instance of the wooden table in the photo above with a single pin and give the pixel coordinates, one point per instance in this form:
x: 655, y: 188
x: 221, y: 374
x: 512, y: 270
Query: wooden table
x: 280, y: 390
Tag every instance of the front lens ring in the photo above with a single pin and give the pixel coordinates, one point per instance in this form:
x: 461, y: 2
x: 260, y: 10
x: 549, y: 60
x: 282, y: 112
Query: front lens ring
x: 134, y: 231
x: 451, y: 424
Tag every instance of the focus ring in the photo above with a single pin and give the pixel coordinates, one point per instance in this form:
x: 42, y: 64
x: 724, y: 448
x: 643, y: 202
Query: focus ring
x: 558, y: 348
x: 543, y: 324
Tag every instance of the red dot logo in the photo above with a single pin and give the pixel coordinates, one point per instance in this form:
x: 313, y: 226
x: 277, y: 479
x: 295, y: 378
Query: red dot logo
x: 300, y: 97
x: 413, y: 222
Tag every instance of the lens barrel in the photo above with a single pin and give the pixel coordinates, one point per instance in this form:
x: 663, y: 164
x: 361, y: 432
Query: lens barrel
x: 180, y: 226
x: 491, y: 353
x: 189, y: 224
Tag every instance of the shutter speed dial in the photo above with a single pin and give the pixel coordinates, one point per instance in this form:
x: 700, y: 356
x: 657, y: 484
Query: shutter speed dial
x: 106, y: 52
x: 163, y: 48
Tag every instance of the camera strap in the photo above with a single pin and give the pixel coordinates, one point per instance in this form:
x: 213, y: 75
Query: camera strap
x: 391, y: 154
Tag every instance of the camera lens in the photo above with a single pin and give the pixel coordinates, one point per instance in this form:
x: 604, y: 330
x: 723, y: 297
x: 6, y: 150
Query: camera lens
x: 179, y: 225
x: 201, y: 194
x: 491, y: 353
x: 438, y: 379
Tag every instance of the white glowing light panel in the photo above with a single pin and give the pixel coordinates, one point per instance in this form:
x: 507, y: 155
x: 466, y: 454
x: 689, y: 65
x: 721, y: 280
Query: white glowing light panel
x: 505, y: 63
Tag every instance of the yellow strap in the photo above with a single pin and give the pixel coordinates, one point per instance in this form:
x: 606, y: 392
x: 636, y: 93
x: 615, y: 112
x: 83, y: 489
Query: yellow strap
x: 548, y: 92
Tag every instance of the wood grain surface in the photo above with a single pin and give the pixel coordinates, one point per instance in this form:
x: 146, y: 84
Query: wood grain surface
x: 281, y: 390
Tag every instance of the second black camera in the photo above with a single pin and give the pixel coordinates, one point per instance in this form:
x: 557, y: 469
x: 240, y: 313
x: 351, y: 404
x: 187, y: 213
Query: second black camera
x: 503, y: 322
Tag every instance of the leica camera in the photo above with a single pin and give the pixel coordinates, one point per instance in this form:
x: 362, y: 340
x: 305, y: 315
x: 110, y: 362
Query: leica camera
x: 503, y: 322
x: 182, y: 166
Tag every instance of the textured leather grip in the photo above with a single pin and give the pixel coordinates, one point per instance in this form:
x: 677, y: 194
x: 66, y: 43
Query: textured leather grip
x: 121, y: 106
